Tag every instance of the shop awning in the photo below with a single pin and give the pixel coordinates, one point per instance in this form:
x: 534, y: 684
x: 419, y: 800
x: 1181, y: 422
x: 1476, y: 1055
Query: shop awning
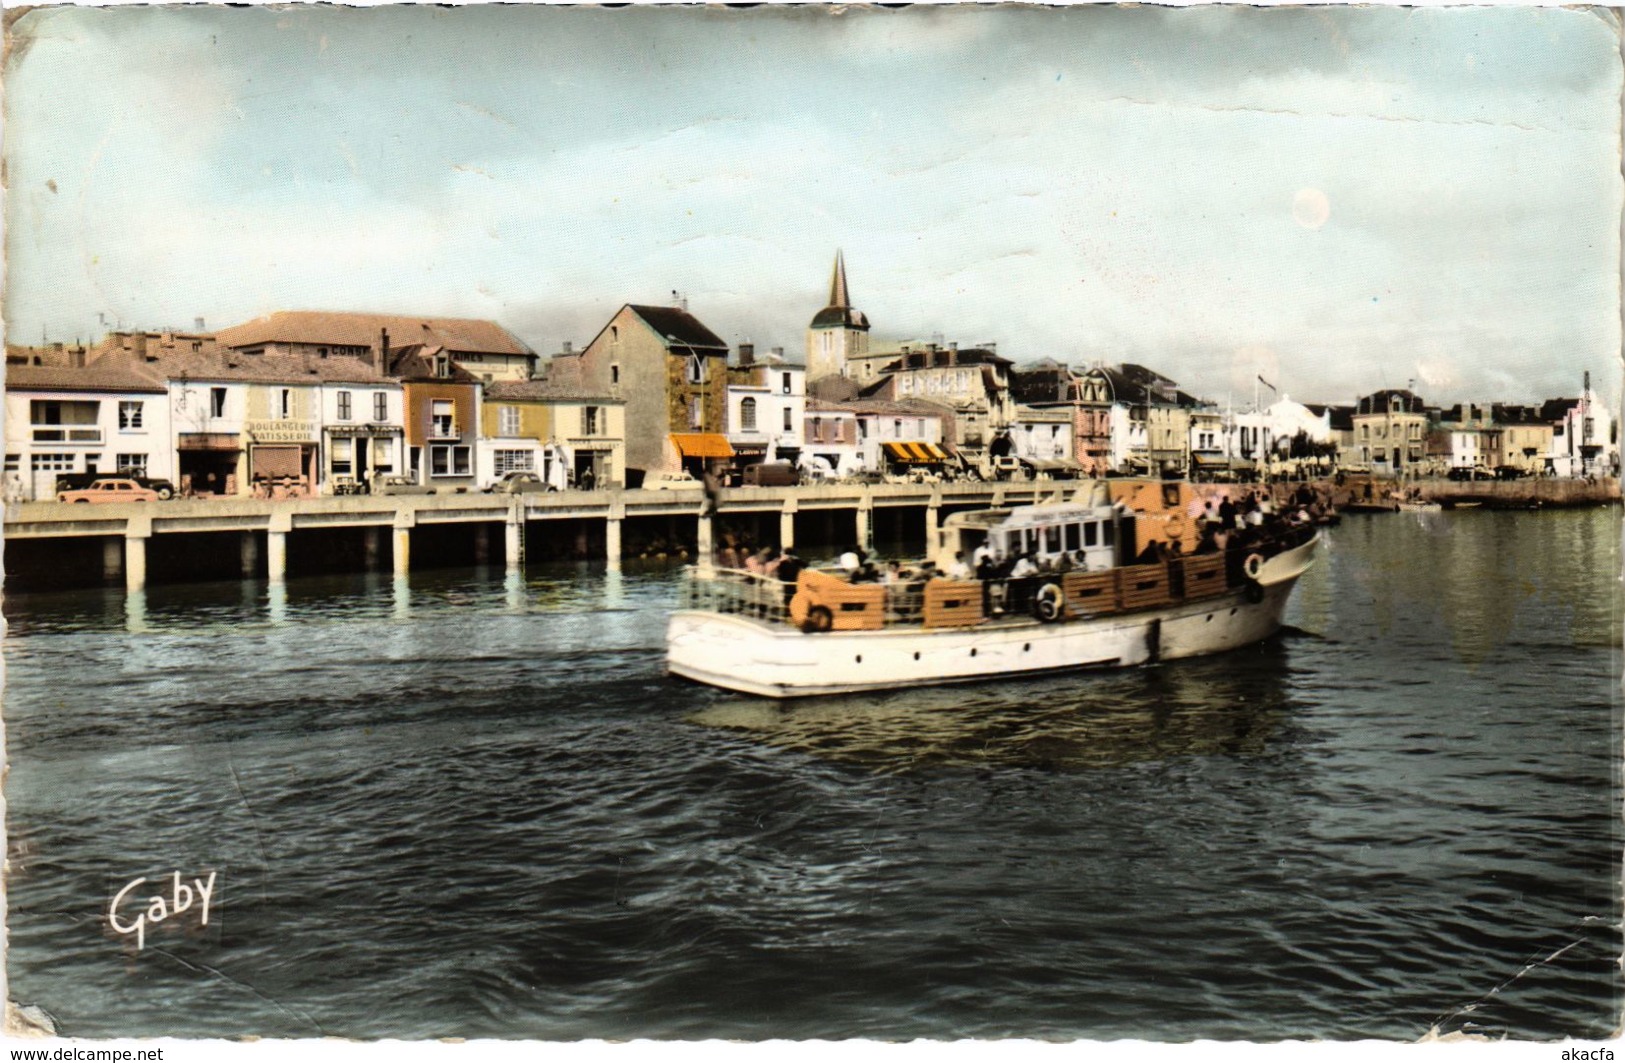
x: 915, y: 453
x: 702, y: 444
x: 1211, y: 460
x: 208, y: 441
x: 1054, y: 464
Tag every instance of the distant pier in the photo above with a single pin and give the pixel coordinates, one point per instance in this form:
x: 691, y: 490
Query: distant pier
x: 265, y: 537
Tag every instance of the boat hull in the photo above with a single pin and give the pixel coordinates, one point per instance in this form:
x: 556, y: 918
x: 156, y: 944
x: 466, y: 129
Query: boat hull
x: 739, y: 653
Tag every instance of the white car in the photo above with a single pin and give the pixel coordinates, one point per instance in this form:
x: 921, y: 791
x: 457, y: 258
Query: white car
x: 671, y: 481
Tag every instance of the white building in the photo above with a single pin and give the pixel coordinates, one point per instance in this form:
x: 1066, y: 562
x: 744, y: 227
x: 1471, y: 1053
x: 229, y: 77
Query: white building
x: 107, y: 416
x: 767, y: 406
x: 1043, y: 437
x: 1585, y: 440
x: 363, y: 425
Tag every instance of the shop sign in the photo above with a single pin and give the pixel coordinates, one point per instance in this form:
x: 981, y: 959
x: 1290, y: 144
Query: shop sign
x: 280, y: 431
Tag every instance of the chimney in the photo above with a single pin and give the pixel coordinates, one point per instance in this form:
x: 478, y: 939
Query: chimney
x: 1588, y: 382
x: 77, y: 358
x: 567, y: 348
x: 778, y: 352
x: 56, y: 346
x: 747, y: 354
x: 140, y: 339
x: 383, y: 351
x: 197, y: 324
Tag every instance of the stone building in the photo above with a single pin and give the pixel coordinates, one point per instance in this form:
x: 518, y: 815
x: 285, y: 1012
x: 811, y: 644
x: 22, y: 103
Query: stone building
x: 483, y: 348
x: 671, y: 372
x: 838, y: 333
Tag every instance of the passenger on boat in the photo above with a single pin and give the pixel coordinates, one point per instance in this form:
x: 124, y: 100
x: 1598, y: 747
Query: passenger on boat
x: 789, y: 569
x: 987, y: 570
x: 959, y: 569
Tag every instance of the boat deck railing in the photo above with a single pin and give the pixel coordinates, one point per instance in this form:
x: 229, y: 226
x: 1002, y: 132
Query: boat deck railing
x: 937, y: 602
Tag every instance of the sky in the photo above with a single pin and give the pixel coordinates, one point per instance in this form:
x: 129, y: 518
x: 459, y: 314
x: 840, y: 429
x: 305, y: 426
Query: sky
x: 1337, y: 199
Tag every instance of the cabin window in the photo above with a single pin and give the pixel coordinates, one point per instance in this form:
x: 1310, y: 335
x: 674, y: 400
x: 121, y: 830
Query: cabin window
x: 1072, y: 536
x: 1105, y: 535
x: 1090, y: 534
x: 1052, y: 539
x: 1012, y: 544
x: 1032, y: 540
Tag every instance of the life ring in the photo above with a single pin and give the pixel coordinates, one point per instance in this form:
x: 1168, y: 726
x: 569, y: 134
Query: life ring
x: 1049, y: 604
x: 1253, y: 591
x: 1253, y: 565
x: 819, y: 619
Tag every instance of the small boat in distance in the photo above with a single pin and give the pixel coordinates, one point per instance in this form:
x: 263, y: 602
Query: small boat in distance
x: 1120, y: 575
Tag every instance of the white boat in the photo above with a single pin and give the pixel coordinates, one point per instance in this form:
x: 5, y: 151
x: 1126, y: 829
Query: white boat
x: 1116, y: 607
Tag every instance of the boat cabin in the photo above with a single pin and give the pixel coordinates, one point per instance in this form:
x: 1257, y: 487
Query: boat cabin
x: 1087, y: 534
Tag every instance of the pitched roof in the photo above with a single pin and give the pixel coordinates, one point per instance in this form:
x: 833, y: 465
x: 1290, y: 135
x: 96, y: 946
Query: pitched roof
x: 344, y: 329
x: 215, y: 364
x: 679, y: 328
x: 416, y: 363
x: 540, y: 391
x: 111, y: 372
x: 839, y: 312
x: 1377, y: 401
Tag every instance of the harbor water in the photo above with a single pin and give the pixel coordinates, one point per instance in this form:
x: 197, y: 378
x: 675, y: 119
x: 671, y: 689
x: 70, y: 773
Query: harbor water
x: 475, y: 806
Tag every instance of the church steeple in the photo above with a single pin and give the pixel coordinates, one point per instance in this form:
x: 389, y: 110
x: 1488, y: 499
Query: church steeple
x: 837, y: 284
x: 837, y: 332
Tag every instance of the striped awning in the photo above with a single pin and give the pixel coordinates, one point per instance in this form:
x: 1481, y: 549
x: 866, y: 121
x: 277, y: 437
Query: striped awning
x: 915, y: 453
x: 702, y: 445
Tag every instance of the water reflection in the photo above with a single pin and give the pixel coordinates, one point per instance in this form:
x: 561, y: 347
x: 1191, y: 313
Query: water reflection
x: 401, y: 588
x: 1224, y: 706
x: 277, y: 602
x: 135, y: 612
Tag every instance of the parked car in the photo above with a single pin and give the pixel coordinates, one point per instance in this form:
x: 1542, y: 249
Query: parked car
x: 518, y: 483
x: 113, y: 489
x: 1476, y: 472
x: 771, y: 474
x: 671, y: 481
x: 1510, y: 472
x: 1010, y: 467
x: 79, y: 481
x: 400, y: 485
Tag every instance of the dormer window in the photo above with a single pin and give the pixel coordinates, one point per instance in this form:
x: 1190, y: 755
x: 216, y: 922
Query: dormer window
x: 442, y: 366
x: 696, y: 370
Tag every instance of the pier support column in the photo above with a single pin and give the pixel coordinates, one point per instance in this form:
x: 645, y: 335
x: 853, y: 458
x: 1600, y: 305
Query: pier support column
x: 513, y: 541
x: 705, y: 545
x: 135, y: 563
x: 112, y: 558
x: 866, y: 524
x: 612, y: 533
x: 248, y: 549
x: 276, y: 546
x: 787, y: 524
x: 371, y: 547
x: 482, y: 544
x: 276, y: 556
x: 404, y: 520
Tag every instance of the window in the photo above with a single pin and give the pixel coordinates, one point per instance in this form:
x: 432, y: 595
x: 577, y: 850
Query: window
x: 747, y: 415
x: 52, y: 462
x: 784, y: 388
x: 614, y: 374
x: 134, y: 464
x: 505, y: 461
x: 342, y: 455
x: 442, y: 366
x: 696, y: 370
x: 863, y: 429
x: 818, y: 429
x: 344, y: 405
x: 787, y: 425
x: 217, y: 402
x: 440, y: 419
x: 321, y: 352
x: 508, y: 420
x: 589, y: 420
x: 284, y: 404
x: 1072, y: 536
x: 380, y: 406
x: 129, y: 416
x: 449, y: 460
x: 695, y: 413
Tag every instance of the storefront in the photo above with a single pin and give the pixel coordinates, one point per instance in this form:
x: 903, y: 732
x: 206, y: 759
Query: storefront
x: 699, y: 452
x: 360, y: 455
x: 209, y: 462
x: 281, y: 458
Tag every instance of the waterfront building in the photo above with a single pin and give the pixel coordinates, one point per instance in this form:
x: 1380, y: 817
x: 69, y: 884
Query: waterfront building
x: 441, y: 403
x: 563, y: 435
x: 1150, y: 429
x: 1389, y: 428
x: 972, y: 383
x: 1041, y: 436
x: 1522, y: 438
x: 1049, y: 385
x: 767, y: 405
x: 1584, y: 440
x: 830, y: 437
x: 1207, y: 440
x: 363, y: 426
x: 78, y: 415
x: 671, y: 371
x: 838, y: 333
x: 484, y: 348
x: 898, y: 435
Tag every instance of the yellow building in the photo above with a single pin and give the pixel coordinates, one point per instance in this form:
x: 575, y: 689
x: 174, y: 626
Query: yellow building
x: 565, y: 436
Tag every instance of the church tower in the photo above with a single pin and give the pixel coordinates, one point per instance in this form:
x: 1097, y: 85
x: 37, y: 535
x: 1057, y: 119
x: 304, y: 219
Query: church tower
x: 837, y: 332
